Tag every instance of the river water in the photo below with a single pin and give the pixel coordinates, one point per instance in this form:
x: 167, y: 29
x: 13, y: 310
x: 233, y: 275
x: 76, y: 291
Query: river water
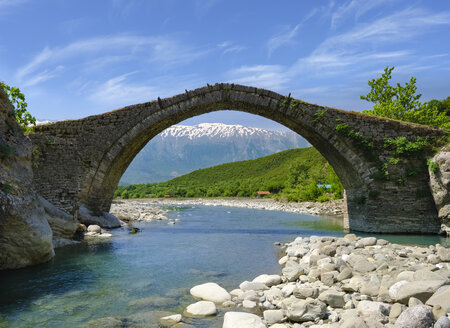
x: 136, y: 278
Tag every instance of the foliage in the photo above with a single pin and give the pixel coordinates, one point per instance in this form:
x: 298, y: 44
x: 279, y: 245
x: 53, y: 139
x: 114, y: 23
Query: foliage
x: 402, y: 103
x: 318, y: 115
x: 294, y: 104
x: 394, y: 160
x: 358, y: 140
x: 35, y: 156
x: 292, y: 174
x: 17, y: 98
x: 412, y: 171
x: 443, y: 106
x: 382, y: 172
x: 433, y: 166
x: 401, y: 146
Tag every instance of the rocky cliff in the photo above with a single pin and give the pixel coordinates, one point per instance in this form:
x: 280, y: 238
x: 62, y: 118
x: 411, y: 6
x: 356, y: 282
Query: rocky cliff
x: 440, y: 185
x: 26, y: 219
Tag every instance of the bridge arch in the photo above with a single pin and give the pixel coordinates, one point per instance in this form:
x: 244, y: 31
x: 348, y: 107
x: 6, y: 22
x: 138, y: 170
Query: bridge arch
x: 104, y: 145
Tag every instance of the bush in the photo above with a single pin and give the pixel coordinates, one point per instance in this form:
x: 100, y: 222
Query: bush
x: 323, y: 198
x: 17, y: 99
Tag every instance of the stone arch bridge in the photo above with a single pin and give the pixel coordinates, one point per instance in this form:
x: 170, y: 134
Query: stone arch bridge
x: 79, y: 162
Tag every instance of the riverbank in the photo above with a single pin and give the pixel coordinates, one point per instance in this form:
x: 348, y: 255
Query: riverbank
x: 138, y: 209
x: 337, y: 282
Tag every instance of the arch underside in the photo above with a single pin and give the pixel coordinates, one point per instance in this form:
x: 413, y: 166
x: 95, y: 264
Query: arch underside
x: 128, y: 146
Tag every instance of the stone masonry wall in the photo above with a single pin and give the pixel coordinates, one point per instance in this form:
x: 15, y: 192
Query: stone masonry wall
x: 81, y: 161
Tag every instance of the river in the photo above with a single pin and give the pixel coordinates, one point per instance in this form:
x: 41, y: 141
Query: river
x: 134, y: 277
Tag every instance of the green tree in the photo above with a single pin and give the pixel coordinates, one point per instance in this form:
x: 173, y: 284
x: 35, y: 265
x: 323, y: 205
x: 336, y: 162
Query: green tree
x: 17, y: 98
x: 402, y: 103
x: 297, y: 173
x: 443, y: 106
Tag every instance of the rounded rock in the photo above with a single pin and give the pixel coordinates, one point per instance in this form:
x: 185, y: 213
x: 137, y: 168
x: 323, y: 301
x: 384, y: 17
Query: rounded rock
x: 268, y: 280
x: 202, y: 309
x: 419, y: 316
x: 94, y: 228
x: 242, y: 320
x: 442, y: 322
x: 210, y: 292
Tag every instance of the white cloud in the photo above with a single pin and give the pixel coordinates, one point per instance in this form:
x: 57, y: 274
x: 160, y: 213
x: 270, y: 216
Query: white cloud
x: 127, y: 89
x: 117, y: 92
x: 228, y: 47
x: 362, y: 44
x: 224, y: 44
x: 397, y: 27
x: 43, y: 76
x: 287, y: 37
x: 354, y: 8
x: 10, y: 3
x: 282, y: 39
x: 272, y: 77
x: 37, y: 61
x: 164, y: 51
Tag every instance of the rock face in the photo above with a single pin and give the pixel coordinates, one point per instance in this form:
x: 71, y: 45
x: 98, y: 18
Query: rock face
x: 440, y: 184
x: 26, y: 220
x: 25, y: 235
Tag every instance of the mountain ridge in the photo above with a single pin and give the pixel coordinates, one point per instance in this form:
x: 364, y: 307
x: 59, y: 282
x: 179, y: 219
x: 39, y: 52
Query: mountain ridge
x: 181, y: 149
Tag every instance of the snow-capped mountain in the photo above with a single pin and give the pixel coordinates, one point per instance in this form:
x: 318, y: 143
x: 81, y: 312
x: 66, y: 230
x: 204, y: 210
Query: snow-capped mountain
x: 218, y: 130
x: 181, y: 149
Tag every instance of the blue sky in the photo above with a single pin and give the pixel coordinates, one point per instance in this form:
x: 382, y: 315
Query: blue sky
x: 77, y: 58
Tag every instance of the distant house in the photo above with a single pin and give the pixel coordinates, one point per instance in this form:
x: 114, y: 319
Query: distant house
x: 167, y: 196
x: 262, y: 193
x: 326, y: 186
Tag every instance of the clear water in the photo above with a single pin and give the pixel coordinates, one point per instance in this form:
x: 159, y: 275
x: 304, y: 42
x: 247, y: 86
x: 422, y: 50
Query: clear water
x: 139, y: 277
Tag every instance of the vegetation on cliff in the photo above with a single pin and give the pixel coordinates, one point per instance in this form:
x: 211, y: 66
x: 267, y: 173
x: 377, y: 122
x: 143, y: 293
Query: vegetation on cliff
x: 17, y: 99
x: 292, y: 174
x: 402, y: 103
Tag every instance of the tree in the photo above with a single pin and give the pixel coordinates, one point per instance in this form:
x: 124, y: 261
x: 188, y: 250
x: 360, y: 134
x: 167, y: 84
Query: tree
x: 402, y: 103
x: 17, y: 99
x: 443, y: 106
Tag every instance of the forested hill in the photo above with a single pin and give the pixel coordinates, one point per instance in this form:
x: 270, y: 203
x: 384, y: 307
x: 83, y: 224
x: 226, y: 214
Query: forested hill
x: 181, y: 149
x: 293, y: 174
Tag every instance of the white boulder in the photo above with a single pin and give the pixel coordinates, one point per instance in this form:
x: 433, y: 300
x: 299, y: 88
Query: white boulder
x: 268, y: 279
x: 210, y: 292
x: 242, y: 320
x: 202, y: 309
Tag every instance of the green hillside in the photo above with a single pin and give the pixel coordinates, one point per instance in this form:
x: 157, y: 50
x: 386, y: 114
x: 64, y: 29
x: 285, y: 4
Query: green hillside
x: 293, y: 174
